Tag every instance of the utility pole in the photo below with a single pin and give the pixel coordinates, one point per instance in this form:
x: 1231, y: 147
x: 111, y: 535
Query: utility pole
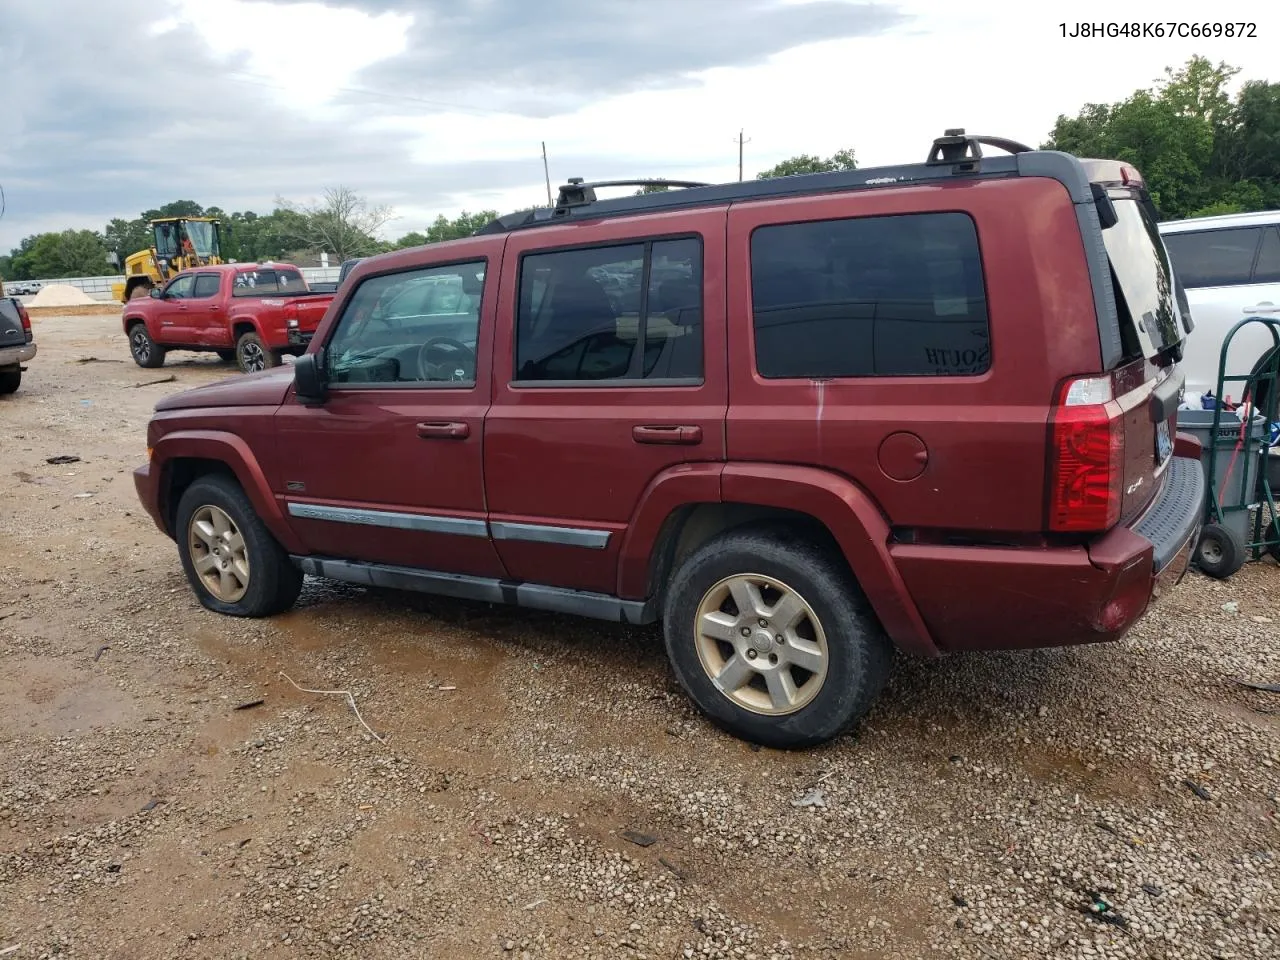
x: 740, y: 144
x: 546, y: 172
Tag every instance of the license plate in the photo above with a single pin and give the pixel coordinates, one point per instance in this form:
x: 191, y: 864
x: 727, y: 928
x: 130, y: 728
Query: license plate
x: 1164, y: 446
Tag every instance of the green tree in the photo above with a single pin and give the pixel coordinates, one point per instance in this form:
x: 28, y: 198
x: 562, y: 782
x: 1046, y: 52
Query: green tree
x: 71, y: 253
x: 464, y: 225
x: 413, y: 239
x: 342, y: 223
x: 1199, y: 151
x: 804, y: 163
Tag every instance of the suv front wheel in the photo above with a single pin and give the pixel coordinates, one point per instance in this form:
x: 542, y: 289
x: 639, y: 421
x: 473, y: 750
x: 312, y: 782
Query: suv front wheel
x: 772, y: 639
x: 233, y: 563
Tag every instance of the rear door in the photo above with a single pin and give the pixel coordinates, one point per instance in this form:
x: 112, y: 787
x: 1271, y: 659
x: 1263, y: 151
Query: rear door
x: 605, y: 376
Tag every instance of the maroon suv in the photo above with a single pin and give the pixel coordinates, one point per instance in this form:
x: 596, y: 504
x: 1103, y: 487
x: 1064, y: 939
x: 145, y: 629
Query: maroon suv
x: 799, y: 421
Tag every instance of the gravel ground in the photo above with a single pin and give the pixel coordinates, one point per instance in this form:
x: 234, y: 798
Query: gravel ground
x: 1117, y: 801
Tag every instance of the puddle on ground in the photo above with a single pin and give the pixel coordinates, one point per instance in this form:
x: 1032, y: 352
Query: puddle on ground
x: 49, y: 697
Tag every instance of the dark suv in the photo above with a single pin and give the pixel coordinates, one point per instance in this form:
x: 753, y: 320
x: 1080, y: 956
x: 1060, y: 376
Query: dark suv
x: 799, y: 421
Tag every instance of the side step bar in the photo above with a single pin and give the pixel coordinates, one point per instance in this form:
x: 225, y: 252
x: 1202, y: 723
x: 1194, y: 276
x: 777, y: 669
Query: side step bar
x: 532, y: 596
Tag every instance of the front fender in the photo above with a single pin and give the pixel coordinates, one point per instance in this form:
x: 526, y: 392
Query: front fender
x: 858, y: 527
x: 229, y: 449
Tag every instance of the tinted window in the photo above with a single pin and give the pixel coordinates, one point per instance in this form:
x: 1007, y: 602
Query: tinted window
x: 870, y: 296
x: 269, y: 282
x: 206, y: 286
x: 1213, y: 258
x: 607, y: 313
x: 1268, y: 268
x: 414, y: 327
x: 1142, y: 277
x: 181, y: 287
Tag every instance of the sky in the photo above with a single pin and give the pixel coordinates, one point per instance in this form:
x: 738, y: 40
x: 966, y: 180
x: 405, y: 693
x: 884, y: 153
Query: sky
x: 436, y: 106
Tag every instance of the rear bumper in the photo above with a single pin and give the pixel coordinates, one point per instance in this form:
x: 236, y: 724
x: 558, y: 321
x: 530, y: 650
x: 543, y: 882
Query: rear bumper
x: 999, y: 598
x: 300, y: 338
x: 147, y: 485
x: 12, y: 356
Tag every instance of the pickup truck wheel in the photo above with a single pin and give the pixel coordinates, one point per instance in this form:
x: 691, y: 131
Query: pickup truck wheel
x: 772, y: 639
x: 146, y: 352
x: 10, y: 380
x: 231, y: 560
x: 252, y: 355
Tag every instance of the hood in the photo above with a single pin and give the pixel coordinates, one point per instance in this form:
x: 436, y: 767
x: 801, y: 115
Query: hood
x: 266, y: 388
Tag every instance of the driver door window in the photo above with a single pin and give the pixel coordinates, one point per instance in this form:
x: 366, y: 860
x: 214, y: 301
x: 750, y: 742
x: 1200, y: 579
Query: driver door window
x: 410, y: 329
x: 181, y: 288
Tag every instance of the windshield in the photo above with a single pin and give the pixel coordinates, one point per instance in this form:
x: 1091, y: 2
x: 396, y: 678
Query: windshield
x: 203, y: 237
x: 1151, y: 307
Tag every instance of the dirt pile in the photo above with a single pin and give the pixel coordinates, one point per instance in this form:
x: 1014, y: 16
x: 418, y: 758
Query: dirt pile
x: 60, y: 295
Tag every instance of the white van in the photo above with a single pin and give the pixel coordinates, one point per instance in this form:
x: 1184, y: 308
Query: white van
x: 1230, y: 268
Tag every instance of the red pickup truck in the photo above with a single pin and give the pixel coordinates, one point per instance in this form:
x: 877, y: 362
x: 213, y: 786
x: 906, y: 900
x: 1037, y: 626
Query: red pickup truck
x: 247, y: 312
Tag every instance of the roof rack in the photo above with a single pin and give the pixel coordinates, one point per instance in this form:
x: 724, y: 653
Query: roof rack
x: 575, y: 193
x: 954, y: 154
x: 956, y: 148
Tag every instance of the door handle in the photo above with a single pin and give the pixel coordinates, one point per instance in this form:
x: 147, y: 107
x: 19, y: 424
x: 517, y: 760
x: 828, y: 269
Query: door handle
x: 1265, y: 307
x: 667, y: 434
x: 444, y: 431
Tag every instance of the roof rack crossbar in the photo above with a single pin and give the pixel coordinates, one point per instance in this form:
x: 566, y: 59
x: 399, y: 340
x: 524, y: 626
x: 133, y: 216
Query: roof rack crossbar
x: 576, y: 192
x: 957, y: 147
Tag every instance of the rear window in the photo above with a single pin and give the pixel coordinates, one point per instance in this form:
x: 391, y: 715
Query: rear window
x: 1214, y: 258
x: 270, y: 282
x: 1146, y: 294
x: 890, y: 296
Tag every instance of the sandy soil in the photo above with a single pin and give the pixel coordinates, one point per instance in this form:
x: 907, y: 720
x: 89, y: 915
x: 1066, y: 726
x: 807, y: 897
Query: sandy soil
x: 1118, y: 801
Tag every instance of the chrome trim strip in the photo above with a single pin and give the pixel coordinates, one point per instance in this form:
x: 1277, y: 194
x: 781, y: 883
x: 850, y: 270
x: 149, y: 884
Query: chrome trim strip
x: 542, y: 533
x: 423, y: 523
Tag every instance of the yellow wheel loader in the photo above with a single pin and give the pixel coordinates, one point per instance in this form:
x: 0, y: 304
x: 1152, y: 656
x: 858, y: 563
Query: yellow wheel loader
x: 179, y: 244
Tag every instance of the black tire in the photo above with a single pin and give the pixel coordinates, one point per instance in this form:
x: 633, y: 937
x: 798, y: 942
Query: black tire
x: 1219, y: 552
x: 858, y: 652
x: 253, y: 355
x: 10, y: 380
x: 146, y: 352
x: 227, y: 356
x: 273, y: 581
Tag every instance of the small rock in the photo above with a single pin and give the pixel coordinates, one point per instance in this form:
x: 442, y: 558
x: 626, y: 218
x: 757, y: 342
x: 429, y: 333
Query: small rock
x: 1231, y: 606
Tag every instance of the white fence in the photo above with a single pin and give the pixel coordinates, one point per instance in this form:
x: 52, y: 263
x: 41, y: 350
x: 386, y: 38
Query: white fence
x: 100, y: 287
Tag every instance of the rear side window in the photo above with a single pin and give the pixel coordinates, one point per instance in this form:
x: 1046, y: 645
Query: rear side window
x: 623, y: 312
x: 206, y: 286
x: 268, y: 283
x: 1214, y: 258
x: 891, y: 296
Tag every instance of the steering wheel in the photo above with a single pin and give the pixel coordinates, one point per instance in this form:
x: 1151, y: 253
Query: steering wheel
x: 425, y: 367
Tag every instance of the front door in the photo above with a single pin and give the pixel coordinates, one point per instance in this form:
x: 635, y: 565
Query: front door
x: 389, y: 468
x: 174, y: 312
x: 208, y: 319
x: 605, y: 376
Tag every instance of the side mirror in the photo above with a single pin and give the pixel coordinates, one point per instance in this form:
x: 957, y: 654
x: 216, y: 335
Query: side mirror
x: 156, y: 293
x: 308, y: 378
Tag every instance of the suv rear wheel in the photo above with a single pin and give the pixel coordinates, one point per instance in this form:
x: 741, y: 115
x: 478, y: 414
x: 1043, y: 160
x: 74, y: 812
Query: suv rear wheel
x: 10, y: 381
x: 771, y: 638
x: 231, y: 560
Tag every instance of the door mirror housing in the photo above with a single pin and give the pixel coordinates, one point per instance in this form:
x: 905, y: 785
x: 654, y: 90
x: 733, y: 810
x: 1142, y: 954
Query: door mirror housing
x: 308, y: 378
x: 156, y: 293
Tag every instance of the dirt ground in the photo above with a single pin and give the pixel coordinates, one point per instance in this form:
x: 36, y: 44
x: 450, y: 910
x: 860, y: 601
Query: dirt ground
x: 1118, y: 801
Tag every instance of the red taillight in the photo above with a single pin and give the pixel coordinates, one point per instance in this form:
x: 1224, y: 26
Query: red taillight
x: 26, y: 321
x: 1086, y: 457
